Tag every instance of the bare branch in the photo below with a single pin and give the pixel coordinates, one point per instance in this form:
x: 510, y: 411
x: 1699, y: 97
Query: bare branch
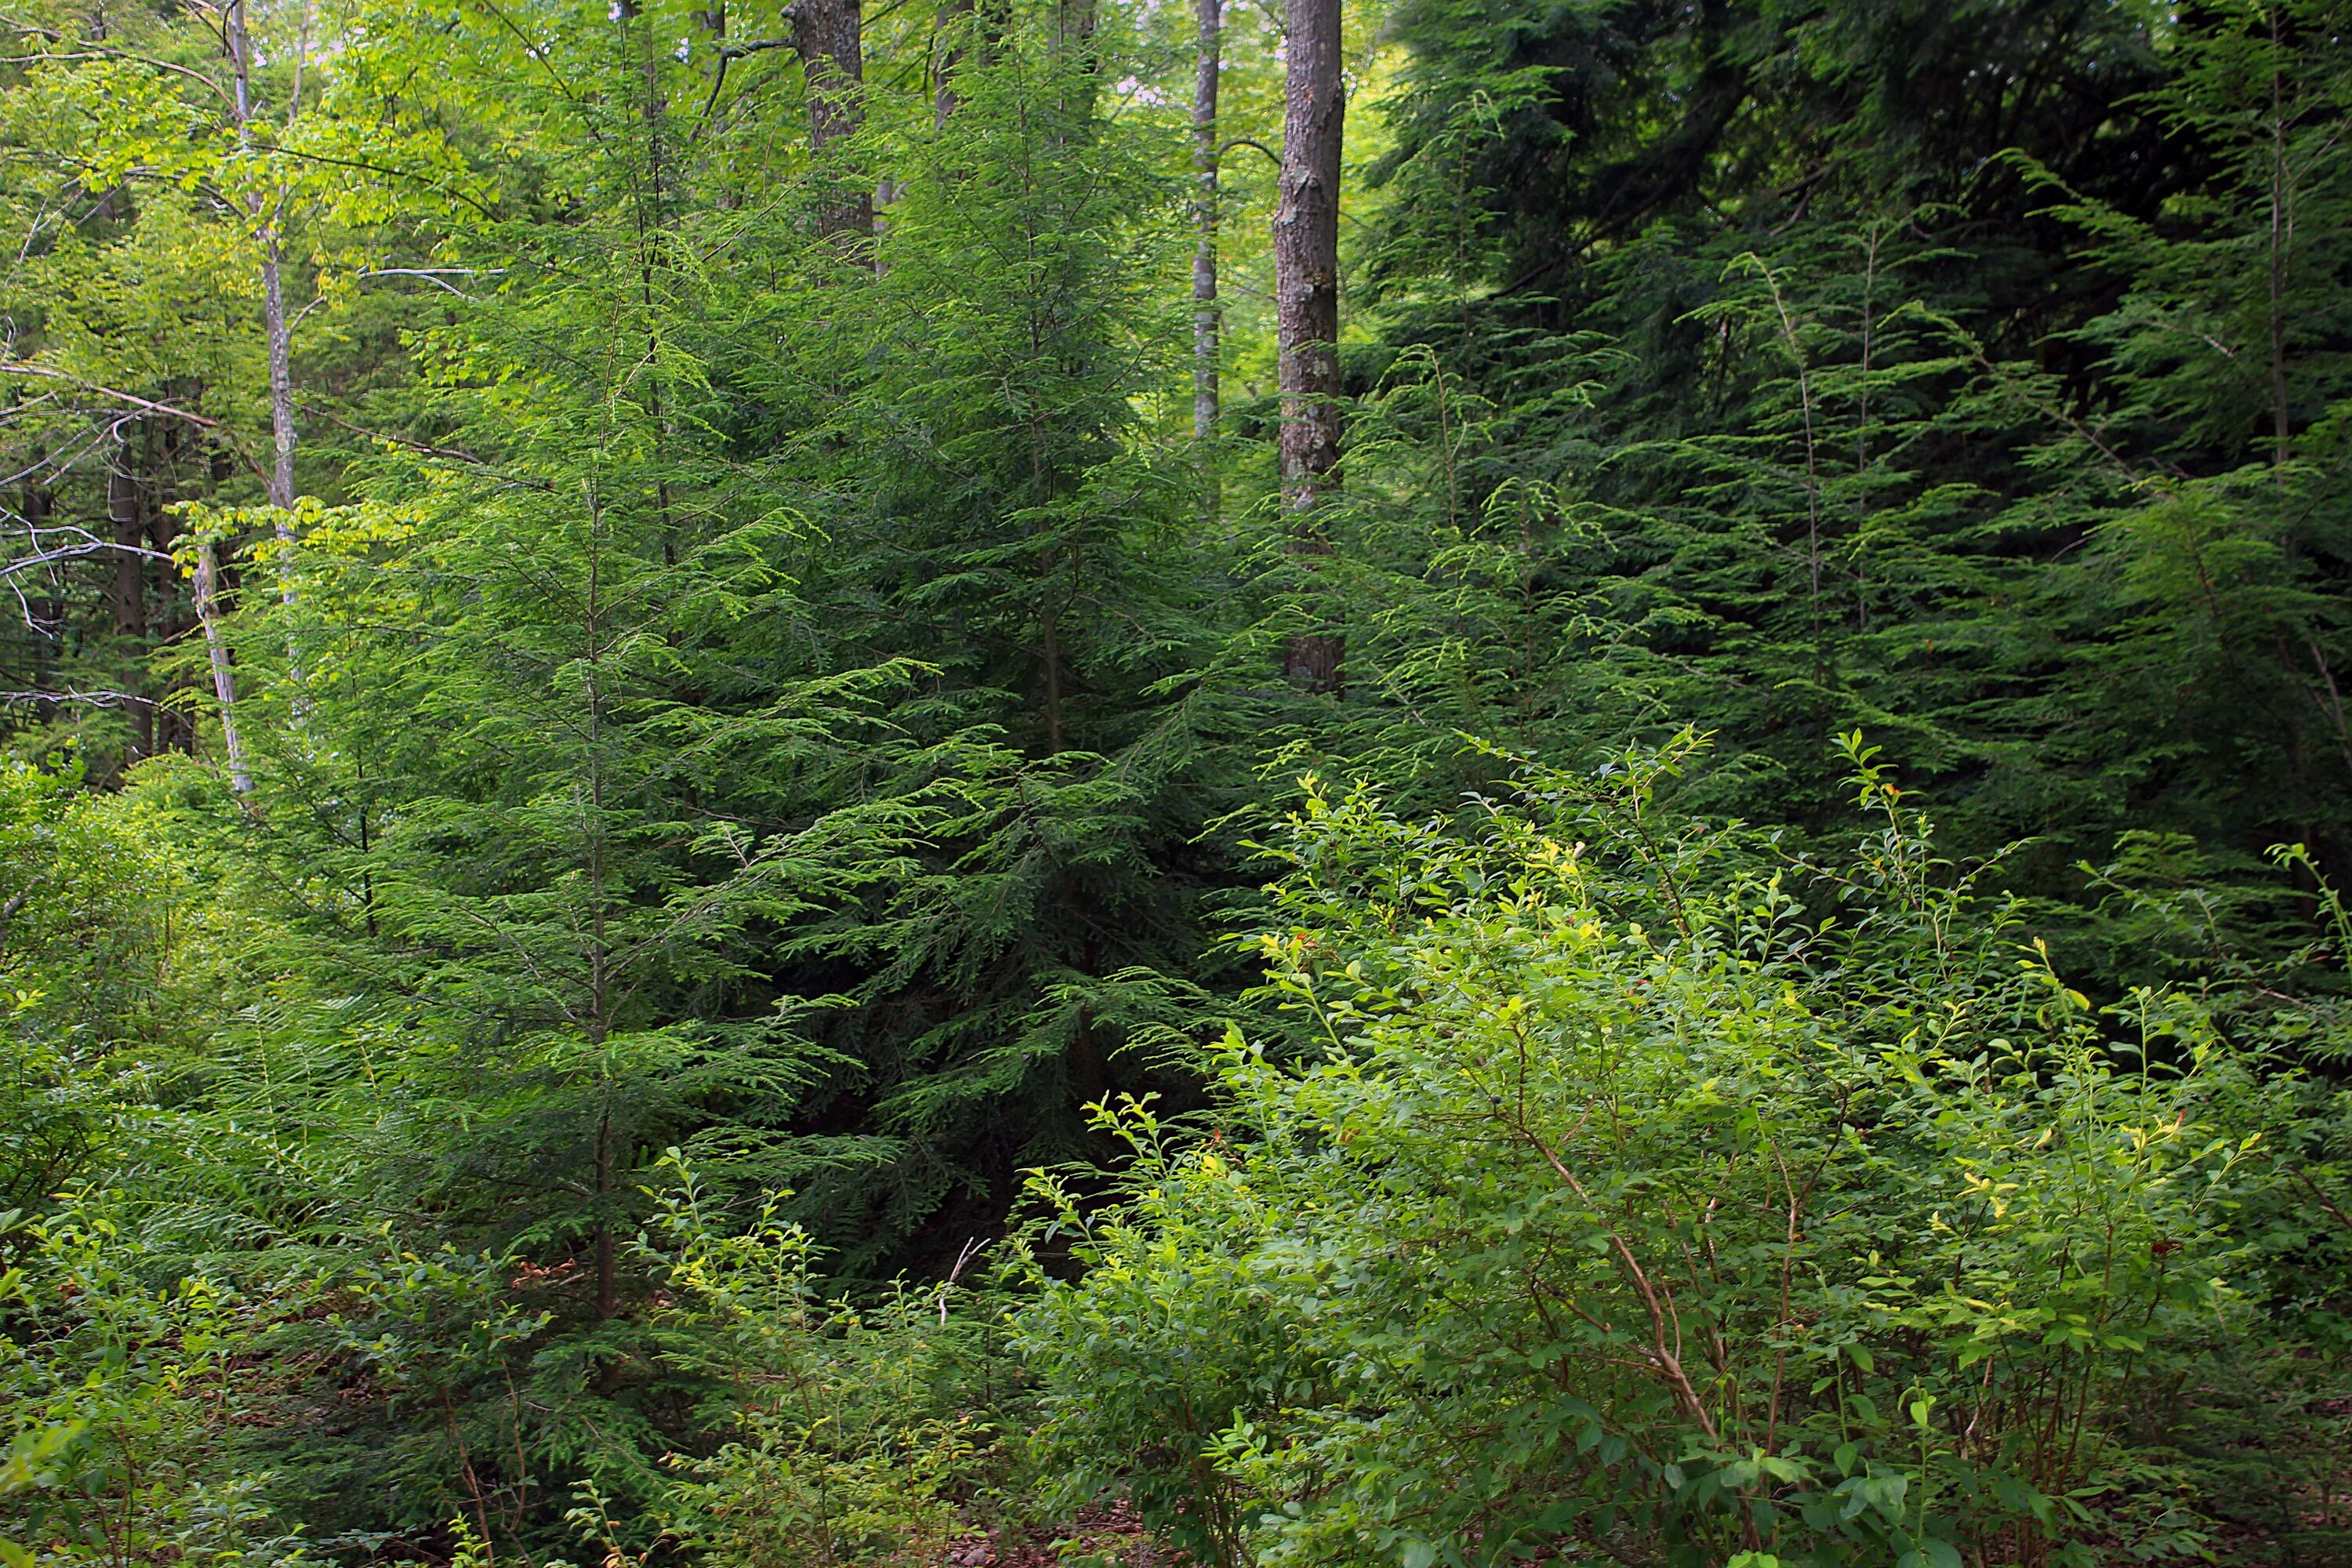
x: 99, y: 698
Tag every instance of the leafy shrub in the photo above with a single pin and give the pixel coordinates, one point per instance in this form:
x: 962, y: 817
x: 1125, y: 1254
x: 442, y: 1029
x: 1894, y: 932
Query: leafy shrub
x: 1646, y: 1196
x: 124, y: 1400
x: 848, y: 1433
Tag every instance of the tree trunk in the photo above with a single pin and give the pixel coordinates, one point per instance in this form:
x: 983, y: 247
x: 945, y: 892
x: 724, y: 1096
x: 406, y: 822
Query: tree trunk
x: 46, y: 611
x: 726, y: 195
x: 1075, y: 21
x: 281, y: 380
x: 963, y: 27
x: 1205, y: 324
x: 1307, y: 304
x: 174, y: 727
x: 130, y: 529
x: 828, y: 35
x: 124, y: 515
x: 608, y: 1294
x: 207, y: 605
x: 280, y: 333
x: 950, y: 22
x: 273, y: 292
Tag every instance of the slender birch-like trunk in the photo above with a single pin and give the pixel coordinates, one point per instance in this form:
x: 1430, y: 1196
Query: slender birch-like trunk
x: 1206, y: 334
x: 207, y: 594
x: 126, y: 519
x: 948, y: 24
x: 273, y: 291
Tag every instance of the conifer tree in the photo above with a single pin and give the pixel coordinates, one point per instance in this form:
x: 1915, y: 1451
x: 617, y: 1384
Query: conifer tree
x: 988, y: 504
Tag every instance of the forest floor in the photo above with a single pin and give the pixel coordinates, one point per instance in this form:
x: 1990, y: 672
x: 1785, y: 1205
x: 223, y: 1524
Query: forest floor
x: 1097, y: 1538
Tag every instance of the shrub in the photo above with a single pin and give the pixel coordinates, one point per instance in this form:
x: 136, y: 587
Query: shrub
x: 1643, y: 1195
x: 849, y: 1433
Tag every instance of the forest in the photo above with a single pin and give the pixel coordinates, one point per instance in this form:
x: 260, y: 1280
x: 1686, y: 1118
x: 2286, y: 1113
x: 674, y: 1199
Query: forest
x: 1096, y: 783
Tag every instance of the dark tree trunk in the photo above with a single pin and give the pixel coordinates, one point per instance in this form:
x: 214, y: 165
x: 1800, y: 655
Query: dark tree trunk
x: 727, y: 195
x: 1075, y: 21
x: 608, y: 1292
x: 949, y: 24
x: 828, y: 36
x: 1307, y: 304
x: 46, y: 611
x: 126, y: 517
x: 167, y: 616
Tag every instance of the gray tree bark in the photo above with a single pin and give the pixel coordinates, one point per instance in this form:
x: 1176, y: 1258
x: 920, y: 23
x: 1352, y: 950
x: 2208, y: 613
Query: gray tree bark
x: 125, y: 516
x: 273, y: 291
x: 1307, y: 304
x: 205, y: 591
x: 1206, y: 334
x: 950, y: 22
x: 828, y: 36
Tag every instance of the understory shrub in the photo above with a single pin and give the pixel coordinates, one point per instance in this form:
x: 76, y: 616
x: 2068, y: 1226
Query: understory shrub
x: 1635, y: 1191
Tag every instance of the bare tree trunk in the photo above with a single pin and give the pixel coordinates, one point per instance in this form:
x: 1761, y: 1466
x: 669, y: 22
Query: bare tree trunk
x: 1307, y: 304
x: 608, y: 1292
x: 886, y: 191
x: 207, y: 605
x: 174, y: 727
x: 273, y: 292
x: 827, y: 35
x: 1208, y: 16
x: 45, y: 612
x: 280, y: 333
x: 128, y: 592
x: 711, y: 21
x: 281, y: 382
x: 204, y: 601
x: 969, y: 28
x: 950, y: 20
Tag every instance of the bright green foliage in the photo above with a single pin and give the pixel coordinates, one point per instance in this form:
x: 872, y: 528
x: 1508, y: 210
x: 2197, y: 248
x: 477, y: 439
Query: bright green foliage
x: 141, y: 210
x: 118, y: 1393
x: 67, y: 970
x: 1642, y: 1194
x: 852, y: 1433
x: 743, y: 691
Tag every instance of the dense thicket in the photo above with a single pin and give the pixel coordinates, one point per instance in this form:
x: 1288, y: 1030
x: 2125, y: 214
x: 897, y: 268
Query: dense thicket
x: 754, y: 814
x: 1967, y: 371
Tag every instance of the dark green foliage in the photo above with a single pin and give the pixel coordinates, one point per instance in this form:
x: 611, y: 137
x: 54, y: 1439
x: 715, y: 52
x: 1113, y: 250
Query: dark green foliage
x: 964, y: 434
x: 1972, y: 372
x: 1624, y: 1208
x: 530, y: 999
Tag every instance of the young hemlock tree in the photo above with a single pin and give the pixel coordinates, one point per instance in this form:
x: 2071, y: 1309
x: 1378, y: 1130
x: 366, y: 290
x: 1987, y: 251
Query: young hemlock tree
x: 2203, y: 623
x: 523, y: 678
x: 969, y: 430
